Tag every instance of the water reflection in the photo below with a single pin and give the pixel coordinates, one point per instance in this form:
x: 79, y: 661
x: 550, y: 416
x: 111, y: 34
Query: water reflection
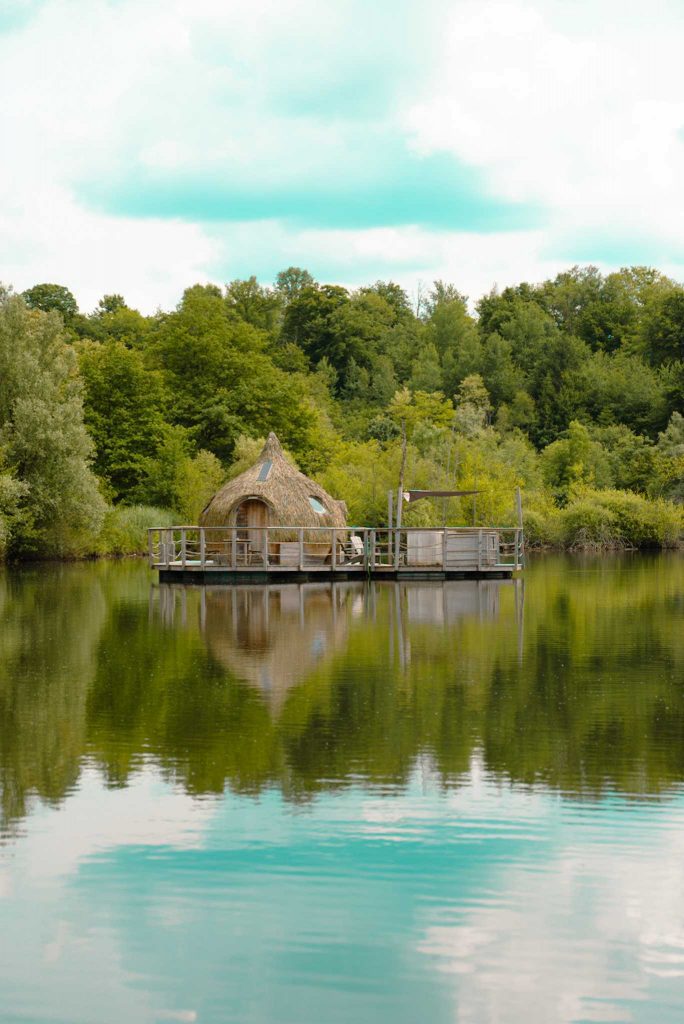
x: 273, y: 637
x: 371, y: 803
x: 311, y: 687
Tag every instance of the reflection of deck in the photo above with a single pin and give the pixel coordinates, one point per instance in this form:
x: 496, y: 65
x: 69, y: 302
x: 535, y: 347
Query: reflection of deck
x: 197, y: 554
x: 275, y: 636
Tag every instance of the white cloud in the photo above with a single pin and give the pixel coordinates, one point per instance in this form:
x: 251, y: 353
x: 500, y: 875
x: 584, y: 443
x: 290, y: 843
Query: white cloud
x: 93, y: 819
x: 583, y: 116
x: 577, y: 108
x: 593, y: 931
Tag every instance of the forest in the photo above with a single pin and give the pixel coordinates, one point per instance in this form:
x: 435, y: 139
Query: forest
x: 572, y: 389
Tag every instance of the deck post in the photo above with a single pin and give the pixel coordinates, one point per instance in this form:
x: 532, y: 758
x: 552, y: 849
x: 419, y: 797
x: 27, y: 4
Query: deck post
x: 300, y: 533
x: 333, y: 558
x: 150, y: 547
x: 479, y: 550
x: 233, y: 548
x: 371, y: 550
x: 184, y: 547
x: 444, y: 548
x: 519, y: 547
x: 203, y: 549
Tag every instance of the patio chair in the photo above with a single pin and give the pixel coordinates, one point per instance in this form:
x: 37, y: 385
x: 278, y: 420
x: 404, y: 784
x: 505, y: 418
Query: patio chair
x: 354, y: 550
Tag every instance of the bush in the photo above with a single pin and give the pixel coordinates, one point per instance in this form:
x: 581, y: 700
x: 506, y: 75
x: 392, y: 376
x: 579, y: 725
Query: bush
x: 609, y: 518
x: 586, y: 524
x: 644, y: 522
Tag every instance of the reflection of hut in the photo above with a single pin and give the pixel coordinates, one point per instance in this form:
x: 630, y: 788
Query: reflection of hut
x: 273, y: 493
x: 273, y: 637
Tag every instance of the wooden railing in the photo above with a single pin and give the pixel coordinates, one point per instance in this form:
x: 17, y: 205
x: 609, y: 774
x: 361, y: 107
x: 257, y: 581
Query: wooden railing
x: 303, y: 548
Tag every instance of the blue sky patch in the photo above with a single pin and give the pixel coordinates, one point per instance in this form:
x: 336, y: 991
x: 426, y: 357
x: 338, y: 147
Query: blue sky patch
x: 435, y: 192
x: 615, y: 249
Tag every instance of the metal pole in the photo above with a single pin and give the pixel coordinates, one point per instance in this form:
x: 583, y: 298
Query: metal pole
x: 400, y: 494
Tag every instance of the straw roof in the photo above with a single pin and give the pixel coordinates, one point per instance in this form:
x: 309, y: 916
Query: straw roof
x: 285, y: 490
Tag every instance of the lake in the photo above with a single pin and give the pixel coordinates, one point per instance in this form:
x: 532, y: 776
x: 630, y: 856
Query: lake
x: 323, y: 804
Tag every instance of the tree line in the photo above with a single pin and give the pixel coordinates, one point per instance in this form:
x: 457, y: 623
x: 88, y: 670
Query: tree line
x: 572, y: 389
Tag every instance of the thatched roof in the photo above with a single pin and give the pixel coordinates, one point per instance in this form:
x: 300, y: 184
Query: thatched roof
x: 285, y: 490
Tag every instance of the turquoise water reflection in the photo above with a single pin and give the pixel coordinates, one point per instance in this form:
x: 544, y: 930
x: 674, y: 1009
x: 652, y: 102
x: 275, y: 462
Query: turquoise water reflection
x: 397, y: 804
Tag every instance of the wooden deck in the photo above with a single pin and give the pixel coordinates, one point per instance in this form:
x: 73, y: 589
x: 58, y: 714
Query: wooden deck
x: 195, y: 554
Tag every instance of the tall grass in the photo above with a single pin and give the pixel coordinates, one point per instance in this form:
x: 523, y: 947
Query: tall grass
x: 124, y: 531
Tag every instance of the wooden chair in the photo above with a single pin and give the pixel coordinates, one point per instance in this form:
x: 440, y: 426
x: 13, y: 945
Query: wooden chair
x: 353, y: 550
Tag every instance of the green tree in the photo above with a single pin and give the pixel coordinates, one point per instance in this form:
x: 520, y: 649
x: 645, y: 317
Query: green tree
x: 110, y: 304
x: 11, y: 493
x: 636, y: 464
x: 671, y: 440
x: 619, y: 388
x: 426, y: 374
x: 575, y: 459
x: 454, y: 335
x: 473, y: 408
x: 52, y: 298
x: 289, y: 283
x: 124, y: 404
x: 395, y: 297
x: 256, y: 305
x: 42, y: 432
x: 221, y: 382
x: 503, y: 379
x: 113, y: 319
x: 309, y: 323
x: 663, y: 327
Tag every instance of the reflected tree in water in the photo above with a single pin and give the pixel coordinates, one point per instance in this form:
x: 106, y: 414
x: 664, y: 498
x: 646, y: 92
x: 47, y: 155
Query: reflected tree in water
x: 313, y: 687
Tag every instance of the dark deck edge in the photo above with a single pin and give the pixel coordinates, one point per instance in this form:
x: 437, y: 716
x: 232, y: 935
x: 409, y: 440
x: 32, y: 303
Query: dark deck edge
x: 201, y: 576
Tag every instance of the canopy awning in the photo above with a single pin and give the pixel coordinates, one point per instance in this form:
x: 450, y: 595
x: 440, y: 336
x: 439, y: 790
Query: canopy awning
x: 417, y: 495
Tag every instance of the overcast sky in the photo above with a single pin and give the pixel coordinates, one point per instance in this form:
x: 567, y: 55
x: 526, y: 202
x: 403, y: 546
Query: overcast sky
x: 150, y: 144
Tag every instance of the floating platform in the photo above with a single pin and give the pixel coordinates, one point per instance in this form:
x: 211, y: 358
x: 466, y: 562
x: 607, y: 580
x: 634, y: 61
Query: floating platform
x: 212, y: 555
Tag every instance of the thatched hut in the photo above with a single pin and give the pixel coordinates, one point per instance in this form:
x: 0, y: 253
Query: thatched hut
x: 273, y: 493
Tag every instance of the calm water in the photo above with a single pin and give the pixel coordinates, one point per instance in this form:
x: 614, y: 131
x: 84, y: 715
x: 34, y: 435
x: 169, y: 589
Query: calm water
x: 458, y: 802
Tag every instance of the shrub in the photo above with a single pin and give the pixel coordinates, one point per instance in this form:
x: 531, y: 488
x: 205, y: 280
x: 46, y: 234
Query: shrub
x: 540, y: 519
x: 586, y: 524
x: 540, y: 529
x: 619, y: 519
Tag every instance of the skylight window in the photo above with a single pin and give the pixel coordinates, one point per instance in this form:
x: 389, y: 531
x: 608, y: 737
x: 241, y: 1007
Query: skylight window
x: 264, y: 471
x: 316, y: 505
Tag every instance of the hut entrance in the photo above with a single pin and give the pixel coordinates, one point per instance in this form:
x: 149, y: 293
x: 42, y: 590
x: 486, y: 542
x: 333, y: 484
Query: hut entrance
x: 250, y: 517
